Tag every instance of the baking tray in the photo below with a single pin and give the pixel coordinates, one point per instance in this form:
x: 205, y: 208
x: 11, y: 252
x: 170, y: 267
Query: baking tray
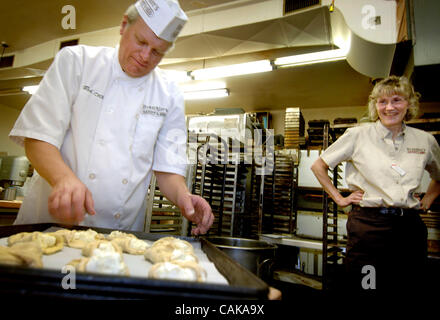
x: 33, y: 282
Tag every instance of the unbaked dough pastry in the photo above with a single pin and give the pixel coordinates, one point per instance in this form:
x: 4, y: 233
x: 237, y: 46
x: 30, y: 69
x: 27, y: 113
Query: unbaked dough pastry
x: 175, y: 242
x: 49, y: 242
x: 132, y: 245
x: 119, y: 234
x: 64, y: 233
x: 80, y: 238
x: 19, y: 237
x: 103, y: 262
x: 100, y: 245
x: 170, y: 249
x: 22, y: 254
x: 178, y: 270
x: 79, y: 264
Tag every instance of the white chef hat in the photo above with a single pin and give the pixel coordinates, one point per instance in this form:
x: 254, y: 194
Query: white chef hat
x: 164, y: 17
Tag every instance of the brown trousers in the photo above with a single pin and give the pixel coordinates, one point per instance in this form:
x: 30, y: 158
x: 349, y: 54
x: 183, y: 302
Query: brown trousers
x: 385, y: 252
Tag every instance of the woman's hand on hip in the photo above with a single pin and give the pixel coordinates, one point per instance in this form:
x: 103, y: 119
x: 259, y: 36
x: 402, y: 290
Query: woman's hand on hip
x: 354, y: 198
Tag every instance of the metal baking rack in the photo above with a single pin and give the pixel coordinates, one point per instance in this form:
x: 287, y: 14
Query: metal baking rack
x: 162, y: 216
x: 275, y: 192
x: 333, y: 249
x: 220, y: 178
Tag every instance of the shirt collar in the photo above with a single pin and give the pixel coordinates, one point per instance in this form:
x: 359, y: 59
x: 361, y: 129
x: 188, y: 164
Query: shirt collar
x: 119, y: 74
x: 386, y: 133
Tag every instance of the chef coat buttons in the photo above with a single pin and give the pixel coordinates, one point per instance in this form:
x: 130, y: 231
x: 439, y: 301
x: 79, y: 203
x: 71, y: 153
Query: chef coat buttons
x: 92, y: 176
x: 125, y: 181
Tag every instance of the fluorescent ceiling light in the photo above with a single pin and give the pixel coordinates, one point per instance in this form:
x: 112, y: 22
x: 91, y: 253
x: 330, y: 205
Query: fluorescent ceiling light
x: 176, y: 75
x: 232, y: 70
x: 206, y: 94
x: 30, y: 89
x: 309, y: 58
x: 202, y: 85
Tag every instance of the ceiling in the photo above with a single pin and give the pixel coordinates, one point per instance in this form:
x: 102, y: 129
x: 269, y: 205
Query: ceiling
x: 25, y: 23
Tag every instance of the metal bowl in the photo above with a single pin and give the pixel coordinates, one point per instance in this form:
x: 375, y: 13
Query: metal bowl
x: 255, y: 255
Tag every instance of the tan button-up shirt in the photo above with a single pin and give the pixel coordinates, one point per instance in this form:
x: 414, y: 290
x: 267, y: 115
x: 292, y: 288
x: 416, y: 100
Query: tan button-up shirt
x: 387, y: 171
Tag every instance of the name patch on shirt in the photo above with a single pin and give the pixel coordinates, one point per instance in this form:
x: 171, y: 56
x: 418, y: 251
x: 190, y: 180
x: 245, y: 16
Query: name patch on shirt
x: 93, y: 92
x: 155, y: 110
x: 416, y: 150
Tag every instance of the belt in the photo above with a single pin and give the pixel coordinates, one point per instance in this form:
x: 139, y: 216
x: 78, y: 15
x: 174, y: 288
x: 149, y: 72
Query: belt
x: 392, y: 211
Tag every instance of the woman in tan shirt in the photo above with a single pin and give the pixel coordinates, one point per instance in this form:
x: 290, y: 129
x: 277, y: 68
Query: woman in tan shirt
x: 387, y: 239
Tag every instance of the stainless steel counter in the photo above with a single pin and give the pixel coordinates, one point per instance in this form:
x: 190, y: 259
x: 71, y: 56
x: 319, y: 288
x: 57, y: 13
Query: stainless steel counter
x: 291, y: 240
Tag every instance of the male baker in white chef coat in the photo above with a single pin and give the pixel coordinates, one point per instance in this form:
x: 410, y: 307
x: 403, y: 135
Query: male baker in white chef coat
x: 102, y: 120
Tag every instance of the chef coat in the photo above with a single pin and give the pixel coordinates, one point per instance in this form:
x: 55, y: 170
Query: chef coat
x: 387, y: 171
x: 112, y: 131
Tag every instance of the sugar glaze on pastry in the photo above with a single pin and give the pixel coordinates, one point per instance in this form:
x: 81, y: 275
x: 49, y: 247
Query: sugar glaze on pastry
x: 105, y: 258
x: 79, y: 238
x: 178, y: 270
x: 100, y: 245
x: 106, y: 262
x: 170, y: 249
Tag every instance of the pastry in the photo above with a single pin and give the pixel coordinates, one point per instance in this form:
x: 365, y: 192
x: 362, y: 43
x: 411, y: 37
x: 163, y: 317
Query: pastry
x: 8, y: 257
x: 170, y: 249
x: 79, y: 238
x: 22, y: 254
x: 79, y: 264
x: 64, y: 233
x: 178, y: 270
x: 92, y: 248
x: 132, y: 245
x: 49, y: 242
x: 128, y: 242
x: 119, y: 234
x: 19, y: 237
x: 175, y: 242
x: 101, y: 262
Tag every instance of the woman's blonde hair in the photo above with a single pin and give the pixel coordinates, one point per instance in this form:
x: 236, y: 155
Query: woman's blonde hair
x: 390, y: 86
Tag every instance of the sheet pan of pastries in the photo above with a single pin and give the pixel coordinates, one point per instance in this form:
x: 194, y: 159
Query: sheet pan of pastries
x: 114, y: 253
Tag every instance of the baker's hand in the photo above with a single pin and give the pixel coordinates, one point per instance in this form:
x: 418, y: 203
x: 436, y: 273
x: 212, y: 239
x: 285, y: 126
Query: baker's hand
x: 425, y: 204
x: 70, y: 200
x: 354, y: 197
x: 197, y: 210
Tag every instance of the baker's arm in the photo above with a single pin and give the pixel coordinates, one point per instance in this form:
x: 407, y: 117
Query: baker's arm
x: 193, y: 207
x: 70, y: 198
x: 431, y: 194
x: 320, y: 169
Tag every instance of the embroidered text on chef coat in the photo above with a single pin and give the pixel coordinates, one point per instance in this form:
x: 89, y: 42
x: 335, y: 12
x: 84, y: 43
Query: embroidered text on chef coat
x: 155, y: 110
